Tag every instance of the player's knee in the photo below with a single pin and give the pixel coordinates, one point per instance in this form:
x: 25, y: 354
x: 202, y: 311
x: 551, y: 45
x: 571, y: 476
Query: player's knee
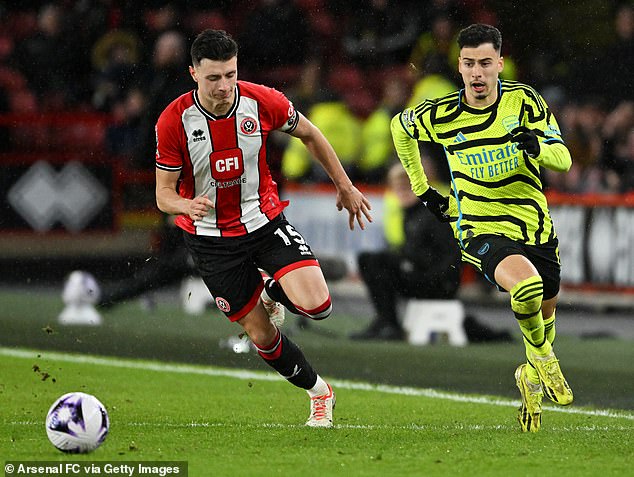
x: 320, y: 312
x: 527, y: 296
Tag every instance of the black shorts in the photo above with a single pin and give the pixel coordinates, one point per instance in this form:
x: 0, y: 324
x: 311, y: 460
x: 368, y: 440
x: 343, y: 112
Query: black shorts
x: 230, y: 266
x: 485, y: 252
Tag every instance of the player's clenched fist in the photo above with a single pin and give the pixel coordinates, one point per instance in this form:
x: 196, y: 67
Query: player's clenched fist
x: 437, y: 203
x: 199, y: 207
x: 526, y: 140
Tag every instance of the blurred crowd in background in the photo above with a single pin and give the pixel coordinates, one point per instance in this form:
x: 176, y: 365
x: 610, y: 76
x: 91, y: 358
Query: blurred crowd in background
x: 348, y: 66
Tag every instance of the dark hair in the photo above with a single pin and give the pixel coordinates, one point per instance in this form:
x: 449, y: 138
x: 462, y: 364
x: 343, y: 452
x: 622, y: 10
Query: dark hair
x: 479, y: 33
x: 216, y: 45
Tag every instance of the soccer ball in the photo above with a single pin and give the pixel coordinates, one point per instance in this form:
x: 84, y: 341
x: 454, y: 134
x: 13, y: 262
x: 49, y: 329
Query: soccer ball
x: 77, y: 423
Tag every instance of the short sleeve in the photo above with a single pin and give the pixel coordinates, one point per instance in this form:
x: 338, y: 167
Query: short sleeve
x: 279, y: 111
x: 169, y: 133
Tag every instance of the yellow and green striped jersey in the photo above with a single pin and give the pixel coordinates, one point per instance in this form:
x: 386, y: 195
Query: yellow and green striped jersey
x: 495, y: 187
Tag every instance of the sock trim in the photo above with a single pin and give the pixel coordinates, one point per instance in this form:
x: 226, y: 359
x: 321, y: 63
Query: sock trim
x: 321, y: 312
x: 273, y: 350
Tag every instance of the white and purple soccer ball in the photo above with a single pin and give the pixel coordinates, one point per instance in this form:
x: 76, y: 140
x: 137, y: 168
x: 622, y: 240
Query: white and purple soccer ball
x: 77, y: 423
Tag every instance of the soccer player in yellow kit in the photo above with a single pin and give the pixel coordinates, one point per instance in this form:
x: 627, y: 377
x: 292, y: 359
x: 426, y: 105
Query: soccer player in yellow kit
x: 496, y: 136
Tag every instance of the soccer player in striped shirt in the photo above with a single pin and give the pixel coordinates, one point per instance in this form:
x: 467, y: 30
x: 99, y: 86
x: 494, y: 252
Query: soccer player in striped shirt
x: 496, y: 135
x: 212, y: 172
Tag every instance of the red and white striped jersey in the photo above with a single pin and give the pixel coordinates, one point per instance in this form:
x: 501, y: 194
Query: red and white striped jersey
x: 224, y: 157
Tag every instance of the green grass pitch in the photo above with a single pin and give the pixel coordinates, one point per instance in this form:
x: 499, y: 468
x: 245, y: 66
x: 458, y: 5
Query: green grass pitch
x: 231, y: 422
x: 174, y: 393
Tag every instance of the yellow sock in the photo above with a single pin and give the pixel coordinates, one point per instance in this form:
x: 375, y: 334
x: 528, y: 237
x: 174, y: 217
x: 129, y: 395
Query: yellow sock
x: 531, y: 374
x: 549, y: 328
x: 550, y: 332
x: 526, y: 303
x: 534, y: 336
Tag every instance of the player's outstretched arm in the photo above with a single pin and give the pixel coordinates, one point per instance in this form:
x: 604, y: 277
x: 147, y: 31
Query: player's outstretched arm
x: 554, y: 156
x: 348, y: 196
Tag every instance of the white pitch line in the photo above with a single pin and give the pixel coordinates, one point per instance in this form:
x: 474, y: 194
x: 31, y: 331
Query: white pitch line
x: 365, y: 427
x: 265, y: 376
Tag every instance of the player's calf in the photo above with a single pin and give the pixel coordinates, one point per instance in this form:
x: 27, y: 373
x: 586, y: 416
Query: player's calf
x: 288, y: 360
x: 526, y: 303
